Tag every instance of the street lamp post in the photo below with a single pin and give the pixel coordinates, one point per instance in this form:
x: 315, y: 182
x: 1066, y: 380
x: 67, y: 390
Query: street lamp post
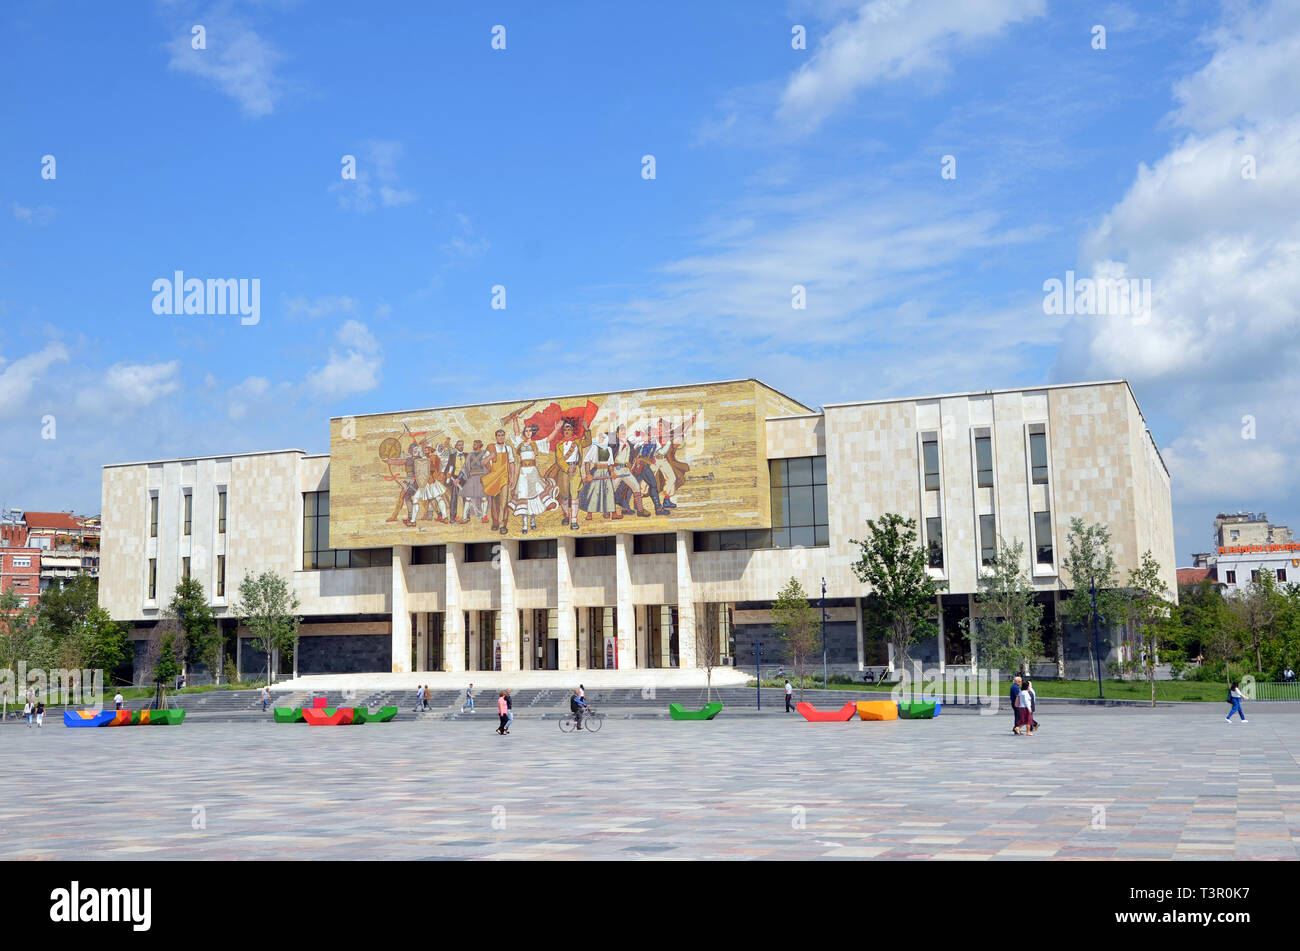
x: 1096, y: 635
x: 758, y: 666
x: 825, y: 683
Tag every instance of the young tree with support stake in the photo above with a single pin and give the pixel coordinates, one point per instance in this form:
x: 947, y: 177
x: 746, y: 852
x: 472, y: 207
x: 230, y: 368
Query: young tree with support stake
x: 1147, y: 608
x: 706, y: 650
x: 1010, y: 615
x: 269, y: 609
x: 798, y: 623
x: 903, y: 595
x: 1088, y: 563
x: 189, y: 605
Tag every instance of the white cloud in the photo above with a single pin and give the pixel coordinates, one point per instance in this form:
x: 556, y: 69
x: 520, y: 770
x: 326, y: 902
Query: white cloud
x: 353, y: 367
x: 326, y: 306
x: 890, y: 40
x: 126, y: 386
x: 237, y: 60
x: 19, y: 378
x: 1214, y: 464
x: 377, y: 179
x: 40, y: 215
x: 243, y: 396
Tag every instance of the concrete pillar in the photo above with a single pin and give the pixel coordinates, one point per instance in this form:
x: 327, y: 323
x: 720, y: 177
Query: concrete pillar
x: 862, y: 644
x: 508, y: 617
x: 626, y: 611
x: 565, y: 621
x: 401, y: 637
x: 686, y: 655
x: 453, y: 621
x: 943, y: 644
x: 421, y: 641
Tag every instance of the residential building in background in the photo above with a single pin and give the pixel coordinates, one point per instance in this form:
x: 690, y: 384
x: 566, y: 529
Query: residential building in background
x: 632, y: 530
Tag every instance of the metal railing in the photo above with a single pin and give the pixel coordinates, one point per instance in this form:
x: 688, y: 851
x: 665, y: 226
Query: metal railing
x: 1270, y: 690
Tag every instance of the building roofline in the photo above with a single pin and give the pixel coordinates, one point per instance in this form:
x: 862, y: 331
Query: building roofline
x: 214, y: 455
x: 573, y: 396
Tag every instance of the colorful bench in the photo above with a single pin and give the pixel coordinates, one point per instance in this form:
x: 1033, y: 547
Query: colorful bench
x: 320, y: 715
x: 82, y: 718
x: 877, y: 710
x: 709, y: 711
x: 919, y: 709
x: 811, y: 713
x: 382, y: 715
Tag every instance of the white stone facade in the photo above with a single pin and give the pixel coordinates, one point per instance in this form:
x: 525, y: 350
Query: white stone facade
x: 1103, y: 467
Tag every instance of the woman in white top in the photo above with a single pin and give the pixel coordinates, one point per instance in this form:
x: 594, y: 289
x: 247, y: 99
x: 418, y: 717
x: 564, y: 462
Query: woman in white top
x: 1024, y: 710
x: 1235, y: 698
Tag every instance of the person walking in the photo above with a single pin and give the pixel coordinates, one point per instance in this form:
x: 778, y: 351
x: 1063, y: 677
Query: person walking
x: 502, y: 711
x: 1024, y: 716
x: 266, y: 696
x: 117, y: 701
x: 426, y: 696
x: 510, y: 710
x: 1015, y: 705
x: 40, y: 712
x: 789, y: 696
x: 419, y: 698
x: 1235, y: 698
x: 469, y: 700
x: 27, y: 712
x: 1033, y: 704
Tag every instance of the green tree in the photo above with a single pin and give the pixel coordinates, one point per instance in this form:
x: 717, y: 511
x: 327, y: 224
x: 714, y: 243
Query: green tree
x: 1010, y: 618
x: 904, y: 597
x: 201, y: 639
x: 167, y: 666
x: 796, y: 620
x: 1089, y: 561
x: 1148, y: 610
x: 103, y: 644
x: 1258, y: 608
x: 64, y: 607
x: 17, y: 633
x: 268, y: 608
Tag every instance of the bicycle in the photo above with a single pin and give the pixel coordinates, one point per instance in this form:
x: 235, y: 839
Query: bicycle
x: 591, y: 720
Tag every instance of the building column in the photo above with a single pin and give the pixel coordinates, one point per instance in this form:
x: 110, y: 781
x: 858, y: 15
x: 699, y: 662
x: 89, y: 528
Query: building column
x: 453, y: 615
x: 565, y: 621
x: 626, y: 632
x: 508, y: 616
x: 421, y: 641
x: 862, y: 644
x: 943, y: 643
x: 686, y: 655
x: 401, y: 638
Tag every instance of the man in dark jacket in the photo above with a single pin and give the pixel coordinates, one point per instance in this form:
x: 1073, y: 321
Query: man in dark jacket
x: 1015, y: 695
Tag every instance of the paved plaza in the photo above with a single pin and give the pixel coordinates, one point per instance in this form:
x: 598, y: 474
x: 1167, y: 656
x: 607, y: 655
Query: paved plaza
x: 1096, y: 783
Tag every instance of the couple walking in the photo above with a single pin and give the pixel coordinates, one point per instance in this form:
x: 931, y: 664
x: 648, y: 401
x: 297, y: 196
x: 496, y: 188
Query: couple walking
x: 1023, y: 703
x: 505, y: 710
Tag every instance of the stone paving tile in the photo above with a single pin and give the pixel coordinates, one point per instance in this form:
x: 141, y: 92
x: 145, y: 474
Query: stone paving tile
x: 954, y: 789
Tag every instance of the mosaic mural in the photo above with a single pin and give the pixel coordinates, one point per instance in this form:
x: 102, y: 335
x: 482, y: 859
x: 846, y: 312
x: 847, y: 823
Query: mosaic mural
x: 650, y: 460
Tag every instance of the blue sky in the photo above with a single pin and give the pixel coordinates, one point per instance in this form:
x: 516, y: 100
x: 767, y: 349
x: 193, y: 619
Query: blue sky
x: 522, y: 167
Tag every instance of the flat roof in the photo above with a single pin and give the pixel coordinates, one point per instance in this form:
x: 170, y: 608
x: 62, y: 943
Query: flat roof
x: 214, y: 455
x: 576, y: 396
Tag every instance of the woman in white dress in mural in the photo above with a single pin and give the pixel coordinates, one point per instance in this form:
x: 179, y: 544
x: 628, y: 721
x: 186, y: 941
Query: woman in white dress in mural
x: 533, y: 494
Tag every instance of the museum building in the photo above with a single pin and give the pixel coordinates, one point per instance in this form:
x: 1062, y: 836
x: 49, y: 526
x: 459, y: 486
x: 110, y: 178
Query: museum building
x: 650, y: 528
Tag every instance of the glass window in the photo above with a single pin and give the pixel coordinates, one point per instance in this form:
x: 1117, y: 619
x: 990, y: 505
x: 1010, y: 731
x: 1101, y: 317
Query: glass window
x: 934, y: 539
x: 988, y: 540
x: 799, y: 506
x: 153, y: 579
x: 594, y: 547
x: 1254, y: 576
x: 533, y: 549
x: 984, y: 461
x: 1232, y: 577
x: 429, y: 555
x: 1281, y: 574
x: 1038, y: 457
x: 189, y: 511
x: 930, y: 453
x: 661, y: 544
x: 185, y: 568
x: 153, y: 516
x: 480, y: 551
x: 221, y: 512
x: 221, y: 576
x: 1043, y: 537
x: 316, y: 551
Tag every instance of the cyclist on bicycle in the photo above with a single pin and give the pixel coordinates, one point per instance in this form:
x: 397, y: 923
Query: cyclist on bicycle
x: 578, y: 703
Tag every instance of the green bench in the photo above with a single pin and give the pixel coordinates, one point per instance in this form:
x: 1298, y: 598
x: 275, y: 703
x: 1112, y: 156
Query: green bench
x: 710, y: 710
